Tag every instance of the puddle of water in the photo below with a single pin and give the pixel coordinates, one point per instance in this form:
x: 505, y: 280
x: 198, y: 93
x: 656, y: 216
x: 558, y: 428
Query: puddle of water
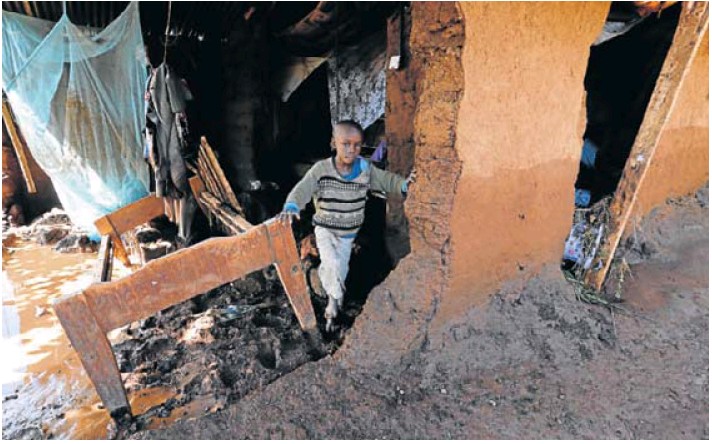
x: 55, y: 392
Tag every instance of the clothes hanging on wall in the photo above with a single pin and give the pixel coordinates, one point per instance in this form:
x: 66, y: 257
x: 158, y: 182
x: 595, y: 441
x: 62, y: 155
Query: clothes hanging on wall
x: 167, y: 131
x: 357, y: 81
x: 168, y: 142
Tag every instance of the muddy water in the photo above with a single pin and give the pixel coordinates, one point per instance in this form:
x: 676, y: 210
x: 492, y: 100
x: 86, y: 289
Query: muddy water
x: 54, y: 395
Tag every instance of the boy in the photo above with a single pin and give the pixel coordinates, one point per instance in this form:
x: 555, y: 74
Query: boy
x: 339, y: 187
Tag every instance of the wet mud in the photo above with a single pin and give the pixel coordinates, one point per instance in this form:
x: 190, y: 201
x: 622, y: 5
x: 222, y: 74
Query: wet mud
x: 532, y: 363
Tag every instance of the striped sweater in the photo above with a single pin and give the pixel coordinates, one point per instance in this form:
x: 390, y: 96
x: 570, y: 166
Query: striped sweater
x: 340, y: 201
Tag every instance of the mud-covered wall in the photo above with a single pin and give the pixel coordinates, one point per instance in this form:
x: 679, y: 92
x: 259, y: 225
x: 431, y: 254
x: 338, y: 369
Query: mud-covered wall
x: 519, y: 139
x: 681, y: 163
x: 398, y: 312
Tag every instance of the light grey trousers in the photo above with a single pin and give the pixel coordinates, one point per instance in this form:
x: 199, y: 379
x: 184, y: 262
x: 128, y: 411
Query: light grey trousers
x: 334, y: 252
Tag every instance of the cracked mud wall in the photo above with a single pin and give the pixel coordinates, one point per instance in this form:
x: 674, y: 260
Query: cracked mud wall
x: 681, y: 163
x: 519, y: 139
x: 491, y: 105
x: 396, y: 316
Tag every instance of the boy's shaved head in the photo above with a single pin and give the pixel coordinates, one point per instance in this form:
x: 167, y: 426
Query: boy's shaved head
x: 346, y: 126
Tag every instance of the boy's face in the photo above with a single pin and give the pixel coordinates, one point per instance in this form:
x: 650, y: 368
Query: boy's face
x: 348, y: 144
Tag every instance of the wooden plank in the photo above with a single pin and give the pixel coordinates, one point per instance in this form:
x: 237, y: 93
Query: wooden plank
x: 136, y: 213
x: 124, y: 219
x: 104, y: 227
x: 289, y: 269
x: 19, y: 145
x: 690, y: 31
x: 104, y: 265
x: 216, y: 212
x: 208, y: 177
x: 197, y: 186
x: 94, y: 350
x: 164, y: 282
x: 217, y: 207
x: 222, y: 180
x: 177, y: 277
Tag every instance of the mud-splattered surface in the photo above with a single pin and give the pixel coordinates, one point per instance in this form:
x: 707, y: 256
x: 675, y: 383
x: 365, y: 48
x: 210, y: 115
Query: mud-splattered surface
x: 535, y: 364
x: 45, y: 391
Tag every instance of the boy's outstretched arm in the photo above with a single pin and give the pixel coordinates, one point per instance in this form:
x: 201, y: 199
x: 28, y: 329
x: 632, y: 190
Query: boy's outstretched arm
x: 388, y: 182
x: 300, y: 196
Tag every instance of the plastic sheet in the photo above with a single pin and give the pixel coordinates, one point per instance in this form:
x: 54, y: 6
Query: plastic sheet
x: 77, y: 96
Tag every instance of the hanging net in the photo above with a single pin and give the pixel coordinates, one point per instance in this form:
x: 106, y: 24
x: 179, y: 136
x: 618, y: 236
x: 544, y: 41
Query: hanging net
x: 77, y: 96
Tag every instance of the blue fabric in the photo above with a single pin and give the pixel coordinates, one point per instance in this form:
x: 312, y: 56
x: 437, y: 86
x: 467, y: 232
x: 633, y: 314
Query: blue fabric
x: 291, y: 207
x: 380, y: 153
x: 582, y: 198
x: 404, y: 187
x: 77, y: 96
x: 361, y: 164
x: 588, y: 154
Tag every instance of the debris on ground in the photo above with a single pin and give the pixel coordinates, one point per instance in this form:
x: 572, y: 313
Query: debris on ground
x: 55, y: 228
x: 540, y: 365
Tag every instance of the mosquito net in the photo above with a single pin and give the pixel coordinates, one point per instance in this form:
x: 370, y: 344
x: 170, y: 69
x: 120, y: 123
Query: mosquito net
x: 77, y: 96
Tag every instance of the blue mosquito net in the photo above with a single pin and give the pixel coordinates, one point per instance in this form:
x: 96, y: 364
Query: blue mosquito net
x: 77, y: 96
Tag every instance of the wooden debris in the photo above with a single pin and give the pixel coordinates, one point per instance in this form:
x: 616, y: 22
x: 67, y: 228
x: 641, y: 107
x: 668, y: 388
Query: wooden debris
x: 226, y: 215
x: 218, y: 172
x: 106, y: 258
x: 19, y: 145
x: 89, y: 315
x: 690, y: 31
x: 126, y: 218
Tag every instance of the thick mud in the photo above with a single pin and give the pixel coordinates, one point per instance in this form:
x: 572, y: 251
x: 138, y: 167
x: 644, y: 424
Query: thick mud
x: 534, y: 363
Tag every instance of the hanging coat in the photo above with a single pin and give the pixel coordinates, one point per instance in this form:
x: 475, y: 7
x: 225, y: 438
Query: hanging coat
x: 166, y: 114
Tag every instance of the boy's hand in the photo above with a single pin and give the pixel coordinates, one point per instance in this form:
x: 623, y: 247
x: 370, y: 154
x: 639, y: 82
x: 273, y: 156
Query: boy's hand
x: 411, y: 177
x: 287, y: 216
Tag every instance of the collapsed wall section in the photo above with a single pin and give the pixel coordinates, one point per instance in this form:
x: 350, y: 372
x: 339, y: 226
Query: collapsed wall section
x: 395, y: 318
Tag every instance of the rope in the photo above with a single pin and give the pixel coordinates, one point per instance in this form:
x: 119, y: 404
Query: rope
x: 168, y: 27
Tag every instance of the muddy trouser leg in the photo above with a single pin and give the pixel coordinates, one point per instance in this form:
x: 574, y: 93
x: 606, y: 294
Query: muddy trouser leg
x: 334, y: 252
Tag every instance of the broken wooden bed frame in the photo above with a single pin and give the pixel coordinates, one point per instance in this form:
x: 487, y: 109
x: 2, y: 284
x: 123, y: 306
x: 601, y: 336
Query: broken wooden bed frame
x: 89, y: 315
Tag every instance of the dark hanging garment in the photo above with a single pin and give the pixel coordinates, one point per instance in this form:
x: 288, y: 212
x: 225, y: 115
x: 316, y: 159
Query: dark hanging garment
x: 166, y: 114
x: 168, y: 143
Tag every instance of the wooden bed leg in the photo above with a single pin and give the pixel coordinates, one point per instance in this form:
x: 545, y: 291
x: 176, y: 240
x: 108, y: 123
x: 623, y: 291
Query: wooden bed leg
x: 289, y: 269
x: 94, y: 350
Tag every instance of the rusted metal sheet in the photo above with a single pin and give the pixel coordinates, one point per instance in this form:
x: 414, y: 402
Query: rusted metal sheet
x: 690, y: 31
x: 164, y: 282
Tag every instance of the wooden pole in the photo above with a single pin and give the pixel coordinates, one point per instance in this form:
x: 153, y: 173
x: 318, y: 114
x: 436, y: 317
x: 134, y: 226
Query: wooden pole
x: 691, y: 28
x: 19, y: 146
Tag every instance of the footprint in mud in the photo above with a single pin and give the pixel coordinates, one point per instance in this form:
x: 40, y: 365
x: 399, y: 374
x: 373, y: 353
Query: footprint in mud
x: 266, y: 320
x: 266, y: 355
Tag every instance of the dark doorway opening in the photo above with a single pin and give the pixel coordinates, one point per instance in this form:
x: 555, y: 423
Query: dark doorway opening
x: 624, y: 65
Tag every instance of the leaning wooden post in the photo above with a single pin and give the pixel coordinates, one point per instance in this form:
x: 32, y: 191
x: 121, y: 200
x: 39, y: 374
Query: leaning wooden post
x: 690, y: 31
x: 19, y: 146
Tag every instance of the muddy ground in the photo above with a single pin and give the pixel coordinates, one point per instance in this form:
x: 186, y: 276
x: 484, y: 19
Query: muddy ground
x: 537, y: 364
x: 532, y: 364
